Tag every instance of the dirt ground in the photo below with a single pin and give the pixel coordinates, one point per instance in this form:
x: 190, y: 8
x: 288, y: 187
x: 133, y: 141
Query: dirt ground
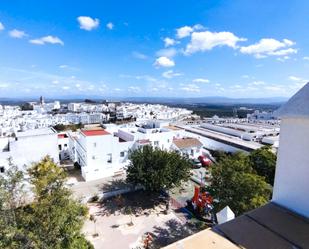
x: 122, y: 222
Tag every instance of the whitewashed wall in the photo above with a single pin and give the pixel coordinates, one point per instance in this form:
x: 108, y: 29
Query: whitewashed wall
x: 291, y: 188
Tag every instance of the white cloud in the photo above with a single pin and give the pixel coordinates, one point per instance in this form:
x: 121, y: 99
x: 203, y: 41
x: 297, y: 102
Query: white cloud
x: 257, y: 83
x: 110, y: 25
x: 139, y: 55
x: 306, y: 58
x: 297, y: 79
x: 275, y: 88
x: 88, y: 23
x: 236, y: 87
x: 169, y: 42
x: 298, y: 82
x: 170, y: 74
x: 206, y: 40
x: 67, y: 67
x: 15, y: 33
x: 164, y: 62
x: 65, y: 87
x: 154, y: 89
x: 47, y: 39
x: 1, y: 26
x: 284, y: 58
x: 167, y: 52
x: 103, y: 88
x: 184, y: 32
x: 4, y: 85
x: 146, y: 77
x: 200, y: 80
x: 90, y: 87
x: 294, y: 78
x: 284, y: 52
x: 268, y: 46
x: 193, y: 88
x: 55, y: 82
x: 245, y: 76
x: 134, y: 89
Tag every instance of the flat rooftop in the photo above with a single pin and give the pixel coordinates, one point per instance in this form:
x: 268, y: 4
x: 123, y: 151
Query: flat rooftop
x: 171, y: 127
x: 204, y: 239
x: 36, y: 132
x: 270, y: 226
x: 99, y: 132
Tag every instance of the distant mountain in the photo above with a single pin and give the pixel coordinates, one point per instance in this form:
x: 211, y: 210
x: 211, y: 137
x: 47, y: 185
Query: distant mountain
x: 208, y: 100
x: 167, y: 100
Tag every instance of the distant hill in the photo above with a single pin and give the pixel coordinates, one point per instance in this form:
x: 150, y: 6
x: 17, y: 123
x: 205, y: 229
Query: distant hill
x: 209, y: 100
x: 167, y: 100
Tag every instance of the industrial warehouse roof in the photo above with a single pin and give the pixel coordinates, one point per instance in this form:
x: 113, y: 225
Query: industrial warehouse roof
x: 297, y: 106
x: 184, y: 143
x: 270, y: 226
x: 173, y: 128
x: 99, y: 132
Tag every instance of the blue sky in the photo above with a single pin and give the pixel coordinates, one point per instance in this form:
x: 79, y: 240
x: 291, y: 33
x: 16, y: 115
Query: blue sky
x: 233, y: 48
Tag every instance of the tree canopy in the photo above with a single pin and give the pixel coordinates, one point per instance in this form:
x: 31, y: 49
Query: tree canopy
x: 73, y: 127
x: 235, y: 184
x: 263, y: 161
x: 53, y: 219
x: 157, y: 169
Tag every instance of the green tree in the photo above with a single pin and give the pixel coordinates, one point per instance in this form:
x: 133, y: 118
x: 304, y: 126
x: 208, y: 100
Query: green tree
x: 157, y: 169
x: 235, y: 184
x: 263, y: 161
x: 12, y: 189
x: 57, y: 218
x: 53, y: 219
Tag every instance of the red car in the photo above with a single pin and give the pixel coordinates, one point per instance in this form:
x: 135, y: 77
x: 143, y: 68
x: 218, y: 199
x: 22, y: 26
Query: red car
x: 205, y: 161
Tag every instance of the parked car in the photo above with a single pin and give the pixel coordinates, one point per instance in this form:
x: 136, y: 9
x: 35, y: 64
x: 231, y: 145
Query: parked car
x: 205, y: 161
x: 196, y: 164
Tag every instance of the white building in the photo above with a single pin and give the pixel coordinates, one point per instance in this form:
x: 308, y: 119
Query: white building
x: 103, y: 153
x: 74, y: 107
x: 292, y: 173
x: 100, y: 154
x: 29, y: 147
x: 257, y: 115
x: 63, y: 146
x: 190, y: 147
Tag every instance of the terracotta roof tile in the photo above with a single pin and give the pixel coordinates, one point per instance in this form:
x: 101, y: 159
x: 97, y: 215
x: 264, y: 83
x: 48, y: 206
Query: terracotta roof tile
x: 187, y: 143
x: 100, y: 132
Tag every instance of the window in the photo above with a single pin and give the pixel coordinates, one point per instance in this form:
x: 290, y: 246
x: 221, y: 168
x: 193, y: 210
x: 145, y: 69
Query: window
x: 109, y: 158
x: 2, y: 169
x: 156, y: 143
x: 93, y: 157
x: 94, y: 144
x: 122, y: 153
x: 65, y: 145
x: 59, y: 146
x: 192, y: 152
